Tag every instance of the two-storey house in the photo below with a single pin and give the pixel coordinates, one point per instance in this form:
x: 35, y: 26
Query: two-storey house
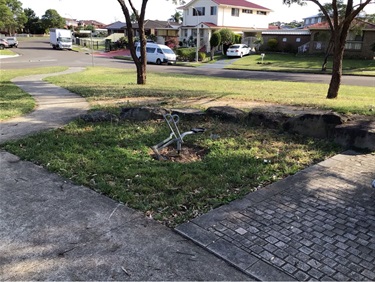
x: 207, y: 16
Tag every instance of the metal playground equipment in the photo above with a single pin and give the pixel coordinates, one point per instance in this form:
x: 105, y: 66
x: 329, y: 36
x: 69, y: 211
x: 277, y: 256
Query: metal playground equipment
x: 175, y: 135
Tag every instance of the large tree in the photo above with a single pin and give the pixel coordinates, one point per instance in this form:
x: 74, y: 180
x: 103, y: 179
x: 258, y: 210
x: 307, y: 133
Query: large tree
x: 52, y: 19
x: 339, y: 28
x: 128, y: 9
x: 12, y: 16
x: 33, y: 24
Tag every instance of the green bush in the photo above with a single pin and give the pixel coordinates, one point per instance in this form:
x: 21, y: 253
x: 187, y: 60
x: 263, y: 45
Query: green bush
x: 202, y: 56
x: 237, y: 38
x: 186, y: 54
x: 272, y: 44
x: 189, y: 54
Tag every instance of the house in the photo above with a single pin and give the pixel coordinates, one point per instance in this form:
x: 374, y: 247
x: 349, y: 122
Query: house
x: 93, y: 23
x: 116, y: 27
x: 359, y: 42
x: 162, y: 30
x: 313, y: 20
x: 289, y: 40
x: 71, y: 23
x: 202, y: 17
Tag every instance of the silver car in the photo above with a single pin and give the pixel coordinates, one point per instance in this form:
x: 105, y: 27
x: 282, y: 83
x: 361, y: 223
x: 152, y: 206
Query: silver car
x: 12, y: 41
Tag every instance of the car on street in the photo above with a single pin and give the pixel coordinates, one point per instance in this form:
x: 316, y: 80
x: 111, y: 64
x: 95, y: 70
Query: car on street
x: 3, y: 43
x: 238, y: 50
x: 12, y: 41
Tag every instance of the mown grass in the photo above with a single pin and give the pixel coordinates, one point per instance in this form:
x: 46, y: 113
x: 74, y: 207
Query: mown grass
x: 14, y: 101
x: 301, y: 63
x: 6, y: 52
x: 114, y: 158
x: 107, y: 83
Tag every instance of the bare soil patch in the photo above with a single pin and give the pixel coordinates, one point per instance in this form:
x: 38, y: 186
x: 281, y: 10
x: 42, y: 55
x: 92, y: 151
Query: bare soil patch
x: 186, y: 155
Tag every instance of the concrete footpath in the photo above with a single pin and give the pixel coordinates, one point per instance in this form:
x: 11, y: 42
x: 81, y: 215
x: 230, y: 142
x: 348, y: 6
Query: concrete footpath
x: 316, y: 225
x: 51, y: 229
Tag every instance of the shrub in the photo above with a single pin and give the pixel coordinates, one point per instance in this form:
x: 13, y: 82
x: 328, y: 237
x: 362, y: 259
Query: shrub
x: 202, y: 56
x: 186, y: 54
x: 172, y: 43
x: 237, y: 38
x: 272, y: 44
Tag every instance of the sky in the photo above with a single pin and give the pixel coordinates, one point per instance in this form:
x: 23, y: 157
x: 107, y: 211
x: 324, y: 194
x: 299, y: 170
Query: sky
x: 110, y: 10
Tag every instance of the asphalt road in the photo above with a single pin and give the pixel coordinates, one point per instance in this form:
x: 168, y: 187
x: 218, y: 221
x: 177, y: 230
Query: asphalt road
x: 40, y: 54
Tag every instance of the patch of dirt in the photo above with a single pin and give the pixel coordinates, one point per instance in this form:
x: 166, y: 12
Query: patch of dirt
x: 205, y: 103
x: 187, y: 154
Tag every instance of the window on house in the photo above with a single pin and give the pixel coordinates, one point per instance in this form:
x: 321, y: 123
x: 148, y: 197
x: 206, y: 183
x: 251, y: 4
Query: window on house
x: 285, y: 39
x: 213, y: 11
x: 298, y: 39
x: 247, y: 11
x: 199, y: 11
x: 235, y: 12
x: 353, y: 46
x: 261, y: 13
x: 185, y: 32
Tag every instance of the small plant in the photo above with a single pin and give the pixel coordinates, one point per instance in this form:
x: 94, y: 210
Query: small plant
x: 202, y: 56
x: 272, y: 44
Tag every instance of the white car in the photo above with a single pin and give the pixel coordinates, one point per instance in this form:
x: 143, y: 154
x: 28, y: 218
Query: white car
x: 238, y: 50
x: 12, y: 41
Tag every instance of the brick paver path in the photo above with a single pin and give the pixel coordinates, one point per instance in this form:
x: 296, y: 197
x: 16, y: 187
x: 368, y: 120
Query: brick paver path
x: 316, y: 225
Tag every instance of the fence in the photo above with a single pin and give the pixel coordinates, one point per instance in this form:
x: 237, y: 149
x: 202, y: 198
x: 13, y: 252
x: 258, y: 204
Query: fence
x: 87, y: 42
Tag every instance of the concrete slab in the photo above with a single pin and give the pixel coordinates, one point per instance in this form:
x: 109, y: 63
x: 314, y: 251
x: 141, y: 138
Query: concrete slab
x: 51, y: 229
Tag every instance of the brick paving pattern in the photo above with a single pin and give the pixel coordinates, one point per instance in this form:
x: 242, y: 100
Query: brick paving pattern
x: 316, y: 225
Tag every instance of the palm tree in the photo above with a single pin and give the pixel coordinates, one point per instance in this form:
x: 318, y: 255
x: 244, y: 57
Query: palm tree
x: 177, y: 17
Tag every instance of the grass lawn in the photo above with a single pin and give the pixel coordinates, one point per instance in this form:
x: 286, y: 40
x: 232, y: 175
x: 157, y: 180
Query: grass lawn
x: 114, y: 158
x: 6, y: 52
x: 14, y: 101
x: 107, y: 84
x: 301, y: 63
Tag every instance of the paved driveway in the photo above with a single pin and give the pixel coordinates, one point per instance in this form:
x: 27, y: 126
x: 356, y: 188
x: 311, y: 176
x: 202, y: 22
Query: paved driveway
x: 316, y: 225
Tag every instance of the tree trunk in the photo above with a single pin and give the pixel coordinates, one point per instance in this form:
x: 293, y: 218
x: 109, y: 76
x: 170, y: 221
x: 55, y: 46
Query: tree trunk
x: 328, y: 52
x: 139, y: 63
x: 141, y: 72
x: 338, y: 54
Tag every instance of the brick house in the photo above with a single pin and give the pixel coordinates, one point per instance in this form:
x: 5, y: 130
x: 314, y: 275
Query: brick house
x: 359, y: 41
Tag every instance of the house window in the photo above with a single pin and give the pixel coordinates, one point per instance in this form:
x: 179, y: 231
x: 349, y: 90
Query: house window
x: 261, y: 13
x: 199, y: 11
x: 235, y: 12
x: 185, y: 32
x: 298, y: 39
x: 285, y: 39
x: 213, y: 10
x: 247, y: 11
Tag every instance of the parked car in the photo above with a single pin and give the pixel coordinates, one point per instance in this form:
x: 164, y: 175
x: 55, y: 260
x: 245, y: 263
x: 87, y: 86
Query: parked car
x: 238, y: 50
x: 12, y: 41
x: 3, y: 43
x: 158, y: 54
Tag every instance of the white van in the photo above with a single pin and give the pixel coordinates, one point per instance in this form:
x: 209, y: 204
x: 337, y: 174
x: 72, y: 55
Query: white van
x: 158, y: 54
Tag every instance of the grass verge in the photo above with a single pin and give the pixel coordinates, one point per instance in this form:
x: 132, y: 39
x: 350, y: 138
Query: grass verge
x: 97, y: 84
x: 6, y: 52
x: 14, y: 101
x: 301, y: 63
x: 115, y: 159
